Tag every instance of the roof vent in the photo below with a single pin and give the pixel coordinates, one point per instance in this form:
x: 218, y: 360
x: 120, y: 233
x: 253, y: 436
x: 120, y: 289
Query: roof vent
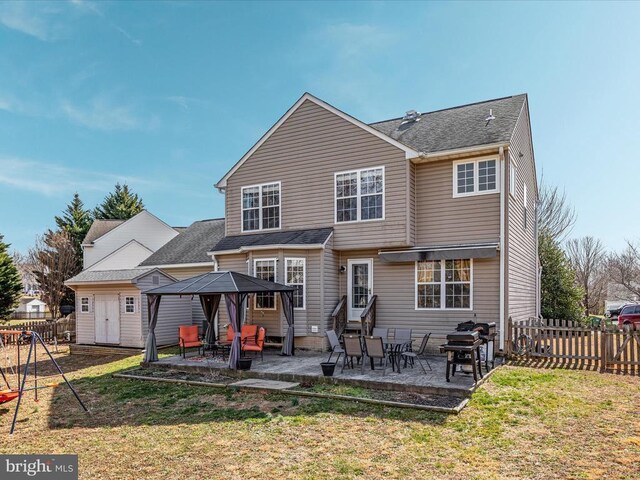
x: 490, y: 117
x: 411, y: 116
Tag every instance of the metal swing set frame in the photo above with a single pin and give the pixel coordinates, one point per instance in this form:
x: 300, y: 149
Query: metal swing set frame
x: 33, y: 339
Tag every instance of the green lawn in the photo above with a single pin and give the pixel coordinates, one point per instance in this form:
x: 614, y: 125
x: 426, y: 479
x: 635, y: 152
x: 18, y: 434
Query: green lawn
x: 522, y: 423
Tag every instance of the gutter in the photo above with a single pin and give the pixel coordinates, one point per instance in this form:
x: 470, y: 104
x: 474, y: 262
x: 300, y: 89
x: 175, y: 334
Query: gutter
x: 459, y: 151
x: 268, y: 247
x: 502, y: 258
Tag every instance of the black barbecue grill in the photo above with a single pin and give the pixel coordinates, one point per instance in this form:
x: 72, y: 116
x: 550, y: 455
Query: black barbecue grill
x: 487, y: 332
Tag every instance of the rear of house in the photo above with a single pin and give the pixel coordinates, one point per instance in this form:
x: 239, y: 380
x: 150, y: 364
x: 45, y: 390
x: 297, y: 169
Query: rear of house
x: 423, y: 221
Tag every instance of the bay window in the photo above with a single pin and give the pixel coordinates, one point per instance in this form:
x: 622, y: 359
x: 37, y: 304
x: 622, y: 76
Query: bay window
x: 295, y: 277
x: 265, y: 269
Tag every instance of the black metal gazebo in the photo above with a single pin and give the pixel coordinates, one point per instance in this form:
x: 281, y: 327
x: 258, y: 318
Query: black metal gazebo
x: 210, y: 287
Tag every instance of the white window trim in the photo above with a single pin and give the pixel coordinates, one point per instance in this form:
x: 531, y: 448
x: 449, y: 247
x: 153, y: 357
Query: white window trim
x: 443, y: 289
x: 513, y: 176
x: 88, y: 310
x: 475, y: 162
x: 358, y: 195
x: 275, y: 279
x: 304, y: 279
x: 135, y: 305
x: 242, y: 209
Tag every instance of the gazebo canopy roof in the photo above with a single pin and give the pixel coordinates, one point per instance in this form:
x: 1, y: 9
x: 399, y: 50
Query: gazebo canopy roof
x: 219, y: 282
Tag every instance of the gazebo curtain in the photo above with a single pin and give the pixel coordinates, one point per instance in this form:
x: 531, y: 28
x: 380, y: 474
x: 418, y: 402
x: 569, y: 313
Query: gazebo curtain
x: 151, y: 349
x: 235, y: 309
x: 210, y: 305
x: 287, y: 307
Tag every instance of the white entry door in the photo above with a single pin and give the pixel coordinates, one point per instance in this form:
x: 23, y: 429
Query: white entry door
x: 107, y: 318
x: 359, y: 286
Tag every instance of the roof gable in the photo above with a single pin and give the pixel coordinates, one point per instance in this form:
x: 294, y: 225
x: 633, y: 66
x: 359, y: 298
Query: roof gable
x: 409, y: 152
x: 99, y: 228
x: 133, y: 220
x: 133, y: 250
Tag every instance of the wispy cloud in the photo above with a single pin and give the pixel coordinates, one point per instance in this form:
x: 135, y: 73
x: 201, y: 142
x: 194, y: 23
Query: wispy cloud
x: 53, y: 180
x: 184, y: 102
x: 91, y: 7
x: 102, y: 114
x: 32, y: 18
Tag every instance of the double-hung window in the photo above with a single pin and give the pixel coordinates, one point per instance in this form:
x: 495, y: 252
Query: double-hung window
x: 295, y: 277
x: 261, y: 207
x: 265, y: 269
x: 359, y: 195
x: 444, y: 284
x: 129, y: 305
x: 84, y: 304
x: 475, y: 177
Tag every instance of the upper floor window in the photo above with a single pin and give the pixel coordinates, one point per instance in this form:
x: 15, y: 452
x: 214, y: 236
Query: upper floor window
x: 295, y: 277
x: 359, y: 195
x: 265, y: 269
x: 475, y: 177
x: 261, y: 207
x: 444, y: 284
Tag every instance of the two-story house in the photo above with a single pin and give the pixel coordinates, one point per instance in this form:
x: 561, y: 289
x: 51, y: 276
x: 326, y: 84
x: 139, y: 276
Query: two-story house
x: 428, y: 218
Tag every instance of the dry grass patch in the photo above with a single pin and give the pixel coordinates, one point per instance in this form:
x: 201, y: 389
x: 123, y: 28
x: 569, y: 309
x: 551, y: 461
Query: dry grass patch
x: 523, y: 423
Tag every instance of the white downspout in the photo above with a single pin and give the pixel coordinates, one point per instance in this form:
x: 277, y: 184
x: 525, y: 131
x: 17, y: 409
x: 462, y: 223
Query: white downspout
x: 502, y: 266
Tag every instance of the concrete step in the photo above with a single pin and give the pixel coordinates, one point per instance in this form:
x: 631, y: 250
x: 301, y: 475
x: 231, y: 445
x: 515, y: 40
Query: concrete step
x: 263, y: 384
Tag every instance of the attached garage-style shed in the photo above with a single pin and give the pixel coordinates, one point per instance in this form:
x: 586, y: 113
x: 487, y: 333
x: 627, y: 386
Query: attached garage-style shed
x: 111, y: 308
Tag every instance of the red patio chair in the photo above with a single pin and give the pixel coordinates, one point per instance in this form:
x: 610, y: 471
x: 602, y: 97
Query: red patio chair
x: 248, y: 331
x: 189, y: 339
x: 255, y: 344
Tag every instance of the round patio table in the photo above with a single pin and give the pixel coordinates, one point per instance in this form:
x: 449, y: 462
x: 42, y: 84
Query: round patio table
x: 394, y: 350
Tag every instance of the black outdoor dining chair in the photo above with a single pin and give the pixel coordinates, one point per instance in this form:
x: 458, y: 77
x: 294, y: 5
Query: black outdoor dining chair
x: 352, y: 349
x: 404, y: 334
x: 375, y: 350
x: 421, y: 353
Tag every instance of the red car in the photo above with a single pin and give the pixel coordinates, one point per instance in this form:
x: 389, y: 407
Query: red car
x: 630, y: 315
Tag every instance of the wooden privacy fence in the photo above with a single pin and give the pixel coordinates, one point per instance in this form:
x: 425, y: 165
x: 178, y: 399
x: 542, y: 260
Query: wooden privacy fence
x: 604, y: 347
x: 63, y: 330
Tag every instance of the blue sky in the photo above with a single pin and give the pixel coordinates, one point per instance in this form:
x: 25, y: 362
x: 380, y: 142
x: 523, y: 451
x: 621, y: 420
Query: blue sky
x: 167, y: 96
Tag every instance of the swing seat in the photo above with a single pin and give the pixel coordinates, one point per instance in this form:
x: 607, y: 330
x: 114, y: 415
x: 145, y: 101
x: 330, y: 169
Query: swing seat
x: 8, y: 395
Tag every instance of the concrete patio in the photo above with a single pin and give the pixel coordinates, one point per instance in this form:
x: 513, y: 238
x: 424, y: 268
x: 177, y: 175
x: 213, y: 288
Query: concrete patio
x: 304, y: 368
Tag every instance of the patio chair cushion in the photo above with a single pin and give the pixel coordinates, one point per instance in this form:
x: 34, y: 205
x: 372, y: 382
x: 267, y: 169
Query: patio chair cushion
x: 255, y: 344
x: 189, y: 336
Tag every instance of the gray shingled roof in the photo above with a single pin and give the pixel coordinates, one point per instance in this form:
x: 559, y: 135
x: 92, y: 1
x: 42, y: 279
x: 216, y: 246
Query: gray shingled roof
x: 99, y: 228
x: 108, y: 275
x: 288, y: 237
x: 457, y: 127
x: 190, y: 246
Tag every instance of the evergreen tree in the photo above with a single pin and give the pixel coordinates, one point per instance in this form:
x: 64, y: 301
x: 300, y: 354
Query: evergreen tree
x: 75, y: 220
x: 10, y: 282
x: 121, y: 204
x: 561, y: 296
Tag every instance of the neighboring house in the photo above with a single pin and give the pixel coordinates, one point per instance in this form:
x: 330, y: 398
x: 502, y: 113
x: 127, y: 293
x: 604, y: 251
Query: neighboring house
x: 434, y: 214
x: 31, y: 308
x: 108, y: 291
x: 111, y: 306
x: 617, y: 296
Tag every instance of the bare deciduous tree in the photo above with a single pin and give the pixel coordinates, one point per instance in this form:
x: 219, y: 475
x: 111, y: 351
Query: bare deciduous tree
x: 624, y: 268
x: 556, y: 216
x: 588, y: 260
x: 53, y: 259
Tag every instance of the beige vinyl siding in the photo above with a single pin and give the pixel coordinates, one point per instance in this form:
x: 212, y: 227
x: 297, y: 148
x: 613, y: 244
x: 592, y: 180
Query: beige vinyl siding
x: 273, y: 320
x: 233, y: 263
x: 304, y: 154
x: 394, y: 284
x: 521, y: 243
x: 442, y: 219
x: 331, y: 274
x: 174, y: 310
x: 182, y: 273
x: 130, y: 325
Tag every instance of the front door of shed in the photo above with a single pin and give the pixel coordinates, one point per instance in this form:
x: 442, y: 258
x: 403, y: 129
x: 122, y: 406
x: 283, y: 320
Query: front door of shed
x: 107, y: 318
